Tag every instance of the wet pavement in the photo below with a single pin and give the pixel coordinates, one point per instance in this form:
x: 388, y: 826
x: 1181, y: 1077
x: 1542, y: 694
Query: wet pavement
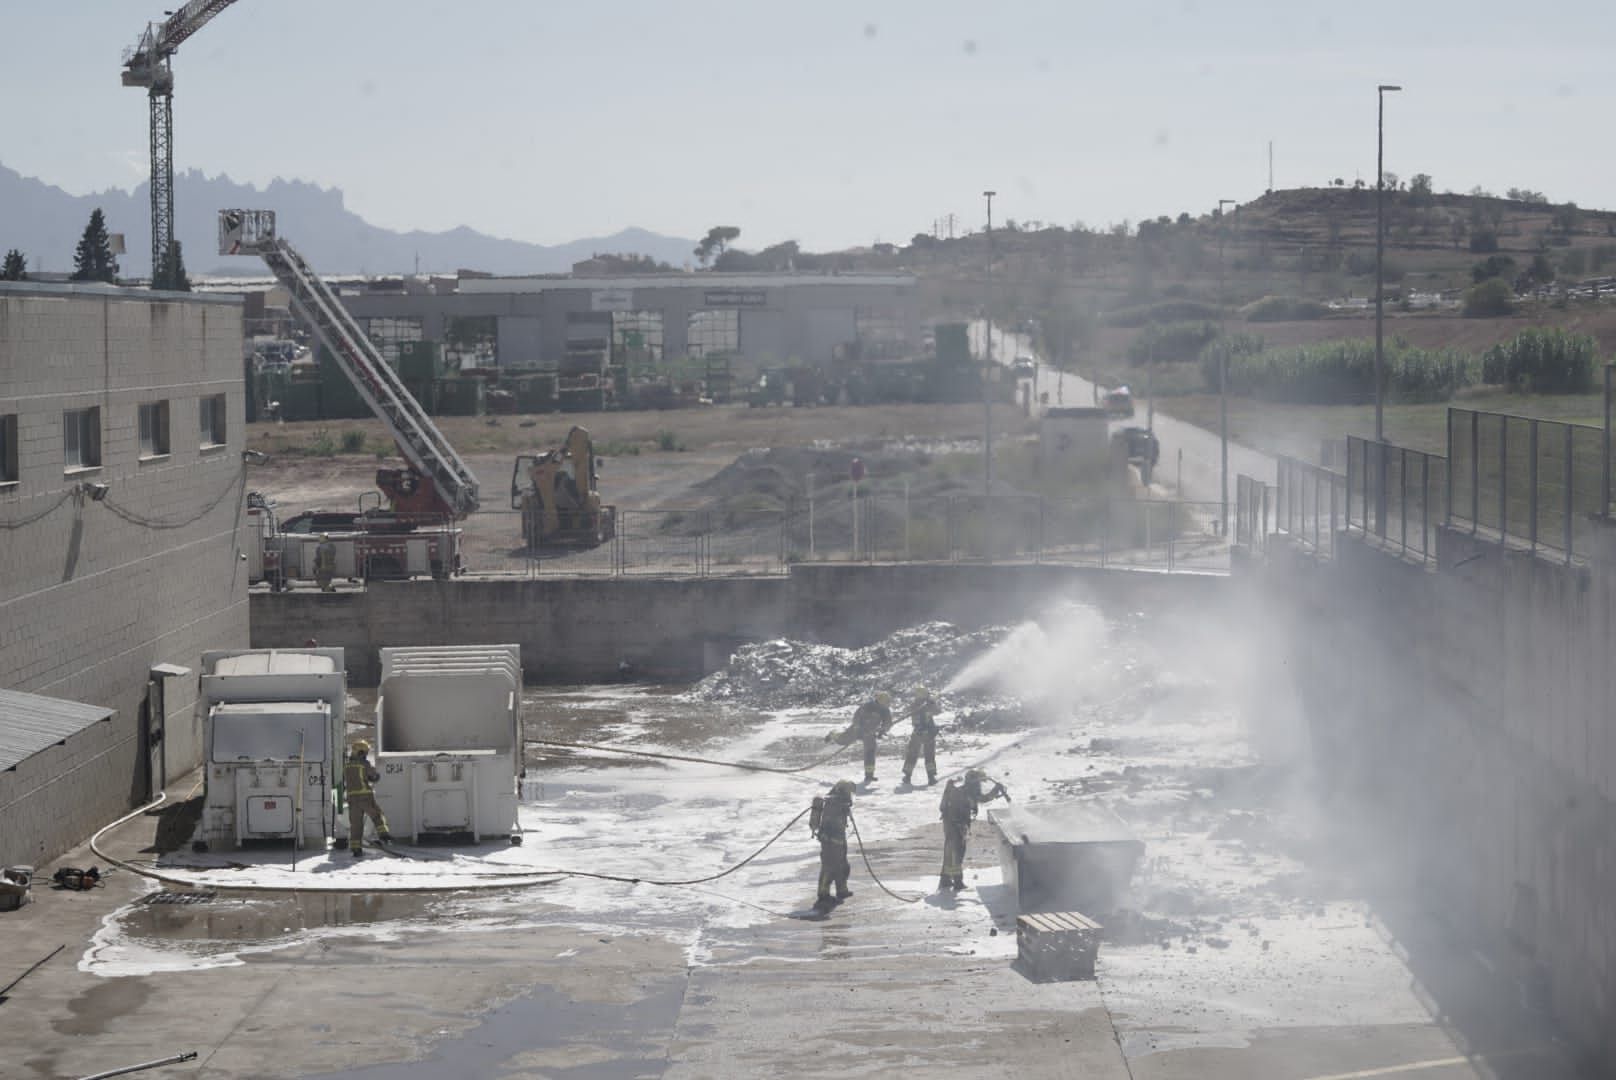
x: 1247, y: 945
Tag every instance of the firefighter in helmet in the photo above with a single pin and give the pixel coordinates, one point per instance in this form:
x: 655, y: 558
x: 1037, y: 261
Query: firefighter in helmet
x: 923, y: 736
x: 870, y: 722
x: 827, y: 821
x: 958, y: 809
x: 358, y: 774
x: 325, y: 563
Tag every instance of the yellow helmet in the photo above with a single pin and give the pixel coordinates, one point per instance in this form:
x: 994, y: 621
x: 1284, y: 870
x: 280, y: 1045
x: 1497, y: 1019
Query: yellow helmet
x: 361, y: 747
x: 922, y: 695
x: 883, y: 698
x: 325, y: 536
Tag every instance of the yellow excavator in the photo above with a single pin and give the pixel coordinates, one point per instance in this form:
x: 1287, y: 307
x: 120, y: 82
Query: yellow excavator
x: 556, y: 493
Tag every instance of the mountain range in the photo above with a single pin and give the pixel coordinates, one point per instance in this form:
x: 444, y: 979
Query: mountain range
x: 44, y: 223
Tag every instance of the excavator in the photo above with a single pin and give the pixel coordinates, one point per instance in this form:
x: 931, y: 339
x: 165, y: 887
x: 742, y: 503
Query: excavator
x: 557, y: 495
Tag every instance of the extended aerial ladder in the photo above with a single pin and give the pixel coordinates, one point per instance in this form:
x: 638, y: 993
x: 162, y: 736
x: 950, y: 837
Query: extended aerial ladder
x: 148, y: 65
x: 437, y: 482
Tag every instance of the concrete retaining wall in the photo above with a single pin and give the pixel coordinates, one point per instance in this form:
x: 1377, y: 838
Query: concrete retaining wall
x: 583, y: 630
x: 1466, y: 712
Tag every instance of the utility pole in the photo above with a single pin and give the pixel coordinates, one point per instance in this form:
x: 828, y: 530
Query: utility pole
x: 1380, y: 252
x: 1223, y: 368
x: 987, y: 366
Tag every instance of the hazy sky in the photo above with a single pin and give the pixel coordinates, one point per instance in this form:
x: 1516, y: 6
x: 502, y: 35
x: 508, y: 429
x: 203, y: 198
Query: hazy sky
x: 827, y: 121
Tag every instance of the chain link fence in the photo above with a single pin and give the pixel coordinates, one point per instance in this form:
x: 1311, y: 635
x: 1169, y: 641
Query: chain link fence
x: 708, y: 541
x: 1537, y: 483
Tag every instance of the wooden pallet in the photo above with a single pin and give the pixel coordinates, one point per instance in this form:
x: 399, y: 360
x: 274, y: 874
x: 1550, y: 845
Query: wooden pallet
x: 1057, y: 945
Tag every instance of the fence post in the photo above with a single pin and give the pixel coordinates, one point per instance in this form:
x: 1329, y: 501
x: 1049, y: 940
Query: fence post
x: 1402, y: 498
x: 1333, y: 522
x: 1105, y: 531
x: 1349, y: 483
x: 1503, y: 480
x: 1475, y: 472
x: 1425, y: 507
x: 1568, y: 502
x: 1531, y: 486
x: 1604, y: 469
x: 1447, y: 498
x: 1043, y: 504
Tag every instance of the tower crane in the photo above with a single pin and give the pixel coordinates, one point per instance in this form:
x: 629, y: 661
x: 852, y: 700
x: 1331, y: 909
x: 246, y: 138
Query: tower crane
x: 148, y: 65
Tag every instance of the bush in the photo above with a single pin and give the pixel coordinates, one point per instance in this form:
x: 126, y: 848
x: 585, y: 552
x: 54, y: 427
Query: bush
x: 322, y: 444
x: 1236, y: 347
x: 1171, y: 343
x: 1489, y: 299
x: 1543, y: 361
x: 1493, y: 266
x: 667, y: 440
x: 1285, y: 309
x: 1483, y: 242
x: 353, y: 442
x: 1343, y: 372
x: 1165, y: 311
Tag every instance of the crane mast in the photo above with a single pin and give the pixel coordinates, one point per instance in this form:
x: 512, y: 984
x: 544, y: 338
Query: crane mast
x: 149, y: 65
x: 437, y: 483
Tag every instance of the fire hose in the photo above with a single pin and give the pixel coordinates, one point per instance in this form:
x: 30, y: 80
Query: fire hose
x: 748, y: 766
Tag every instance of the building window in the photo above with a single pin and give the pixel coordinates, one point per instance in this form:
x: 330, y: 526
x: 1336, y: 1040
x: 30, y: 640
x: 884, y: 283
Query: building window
x: 388, y: 333
x: 81, y: 438
x: 154, y: 429
x: 709, y: 332
x: 212, y: 420
x: 8, y: 448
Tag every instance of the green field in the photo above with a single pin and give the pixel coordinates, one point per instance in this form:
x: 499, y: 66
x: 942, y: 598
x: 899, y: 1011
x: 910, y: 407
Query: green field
x: 1299, y: 430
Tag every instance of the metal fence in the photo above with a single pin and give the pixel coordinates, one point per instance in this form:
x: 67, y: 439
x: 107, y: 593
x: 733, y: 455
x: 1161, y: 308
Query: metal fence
x: 1398, y: 495
x: 1251, y: 510
x: 885, y: 527
x: 1538, y: 483
x: 1310, y: 504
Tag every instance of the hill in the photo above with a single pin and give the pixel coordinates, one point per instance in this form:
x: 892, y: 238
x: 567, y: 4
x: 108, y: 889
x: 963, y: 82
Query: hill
x: 45, y: 222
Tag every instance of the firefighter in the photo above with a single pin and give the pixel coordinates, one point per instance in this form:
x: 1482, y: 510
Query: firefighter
x: 958, y: 810
x: 357, y: 777
x: 827, y: 821
x: 325, y: 563
x: 870, y: 722
x: 923, y: 737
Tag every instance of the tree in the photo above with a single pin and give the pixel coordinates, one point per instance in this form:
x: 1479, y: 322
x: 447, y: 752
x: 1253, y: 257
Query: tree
x: 92, y: 259
x: 15, y: 268
x: 716, y: 242
x: 1420, y: 185
x: 1489, y: 299
x: 1493, y: 266
x: 1541, y: 270
x: 171, y: 274
x: 1389, y: 178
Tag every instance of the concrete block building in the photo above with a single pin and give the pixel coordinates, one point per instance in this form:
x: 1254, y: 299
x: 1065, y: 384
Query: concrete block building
x: 121, y: 502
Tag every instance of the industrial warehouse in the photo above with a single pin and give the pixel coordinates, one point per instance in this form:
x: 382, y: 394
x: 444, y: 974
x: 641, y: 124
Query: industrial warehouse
x: 1001, y: 652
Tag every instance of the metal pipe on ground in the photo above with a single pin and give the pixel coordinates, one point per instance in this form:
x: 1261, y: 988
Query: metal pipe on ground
x: 189, y: 1055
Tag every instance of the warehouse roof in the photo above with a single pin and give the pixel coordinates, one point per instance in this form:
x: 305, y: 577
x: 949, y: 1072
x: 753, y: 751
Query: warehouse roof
x: 30, y: 723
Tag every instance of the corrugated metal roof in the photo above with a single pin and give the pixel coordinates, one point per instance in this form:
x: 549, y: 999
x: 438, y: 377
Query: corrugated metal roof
x: 31, y: 722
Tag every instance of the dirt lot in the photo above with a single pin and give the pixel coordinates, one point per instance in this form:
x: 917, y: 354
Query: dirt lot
x: 651, y: 459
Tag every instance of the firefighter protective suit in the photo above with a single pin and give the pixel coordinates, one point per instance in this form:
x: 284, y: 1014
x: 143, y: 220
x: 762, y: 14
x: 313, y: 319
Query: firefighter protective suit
x: 827, y: 821
x: 358, y: 776
x: 958, y: 809
x: 922, y: 737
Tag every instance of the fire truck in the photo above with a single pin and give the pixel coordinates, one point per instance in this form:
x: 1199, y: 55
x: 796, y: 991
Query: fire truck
x: 411, y: 528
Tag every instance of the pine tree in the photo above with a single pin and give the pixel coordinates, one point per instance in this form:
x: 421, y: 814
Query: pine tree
x: 171, y: 275
x: 92, y: 260
x: 15, y: 268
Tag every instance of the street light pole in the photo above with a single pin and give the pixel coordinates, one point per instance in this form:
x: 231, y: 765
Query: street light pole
x: 987, y: 366
x: 1223, y: 368
x: 1380, y: 250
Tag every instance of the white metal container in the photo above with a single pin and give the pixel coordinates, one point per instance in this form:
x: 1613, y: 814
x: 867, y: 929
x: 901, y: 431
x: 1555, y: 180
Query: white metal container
x: 449, y: 740
x: 272, y: 743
